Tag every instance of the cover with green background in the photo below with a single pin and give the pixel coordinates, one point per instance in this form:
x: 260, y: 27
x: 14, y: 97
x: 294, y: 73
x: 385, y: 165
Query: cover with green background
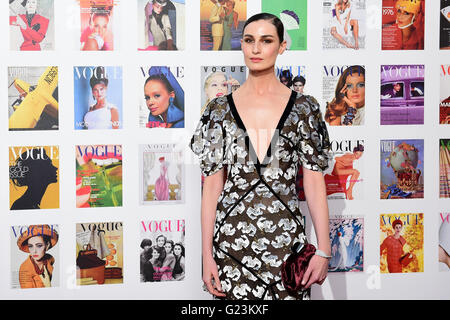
x: 293, y: 14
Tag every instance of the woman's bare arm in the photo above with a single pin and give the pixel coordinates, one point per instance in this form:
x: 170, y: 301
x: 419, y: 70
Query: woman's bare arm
x: 212, y: 188
x: 315, y: 193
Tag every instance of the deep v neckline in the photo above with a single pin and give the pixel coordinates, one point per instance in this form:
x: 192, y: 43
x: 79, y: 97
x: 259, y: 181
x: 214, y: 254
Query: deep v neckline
x: 275, y: 134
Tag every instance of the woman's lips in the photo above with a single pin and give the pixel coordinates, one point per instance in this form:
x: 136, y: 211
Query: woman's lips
x: 256, y: 59
x: 219, y: 94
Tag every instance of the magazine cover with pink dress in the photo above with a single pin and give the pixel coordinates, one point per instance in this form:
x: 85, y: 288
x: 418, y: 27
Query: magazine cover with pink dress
x: 96, y: 19
x: 161, y: 174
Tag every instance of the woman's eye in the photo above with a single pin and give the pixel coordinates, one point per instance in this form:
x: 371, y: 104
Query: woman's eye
x: 349, y: 86
x: 147, y: 98
x: 361, y: 85
x: 248, y: 40
x: 267, y: 41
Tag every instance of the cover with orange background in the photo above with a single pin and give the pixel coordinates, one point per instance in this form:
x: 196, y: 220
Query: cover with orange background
x: 99, y: 252
x: 401, y: 243
x: 96, y: 19
x: 33, y: 177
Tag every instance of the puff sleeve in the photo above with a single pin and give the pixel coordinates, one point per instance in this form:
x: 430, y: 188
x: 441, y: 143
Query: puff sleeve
x: 207, y: 142
x: 314, y: 142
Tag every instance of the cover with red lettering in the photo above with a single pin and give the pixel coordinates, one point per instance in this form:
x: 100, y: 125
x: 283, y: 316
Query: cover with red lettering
x: 98, y: 176
x: 162, y: 254
x: 33, y: 177
x: 35, y: 260
x: 99, y: 253
x: 401, y: 243
x: 161, y: 97
x: 444, y: 96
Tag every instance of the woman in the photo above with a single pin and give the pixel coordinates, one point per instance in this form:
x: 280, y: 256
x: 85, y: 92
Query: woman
x: 216, y: 85
x: 169, y: 261
x: 298, y: 84
x: 230, y: 20
x: 347, y: 106
x: 343, y: 168
x: 409, y: 25
x: 342, y: 22
x: 153, y: 265
x: 393, y: 245
x: 37, y: 175
x: 146, y: 254
x: 102, y: 114
x: 286, y: 78
x: 32, y: 25
x: 162, y: 183
x: 94, y: 36
x: 160, y: 99
x: 243, y: 239
x: 158, y: 23
x: 179, y: 267
x: 36, y: 271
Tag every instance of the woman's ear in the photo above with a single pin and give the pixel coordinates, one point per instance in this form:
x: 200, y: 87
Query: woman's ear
x: 172, y: 94
x: 283, y: 46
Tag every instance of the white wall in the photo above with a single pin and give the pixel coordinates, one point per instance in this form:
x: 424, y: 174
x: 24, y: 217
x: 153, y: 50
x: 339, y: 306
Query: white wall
x: 426, y: 285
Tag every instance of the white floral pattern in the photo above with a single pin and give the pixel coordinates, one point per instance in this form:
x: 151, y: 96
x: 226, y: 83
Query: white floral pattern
x: 257, y: 216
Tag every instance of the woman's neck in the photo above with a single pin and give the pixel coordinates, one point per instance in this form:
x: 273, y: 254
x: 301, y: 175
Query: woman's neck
x: 262, y: 82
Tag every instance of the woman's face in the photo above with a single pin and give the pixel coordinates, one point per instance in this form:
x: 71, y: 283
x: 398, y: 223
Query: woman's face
x: 160, y: 241
x: 47, y: 172
x: 356, y: 90
x: 168, y: 247
x: 157, y: 97
x: 217, y: 87
x: 177, y: 250
x: 398, y: 228
x: 157, y: 7
x: 299, y: 86
x: 37, y: 247
x: 358, y: 154
x: 155, y: 254
x: 261, y: 45
x: 229, y: 5
x: 99, y: 91
x: 397, y: 87
x: 31, y: 6
x: 403, y: 18
x: 100, y: 25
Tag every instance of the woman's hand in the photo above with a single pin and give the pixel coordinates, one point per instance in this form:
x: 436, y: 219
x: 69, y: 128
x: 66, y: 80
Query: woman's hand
x: 344, y: 97
x: 316, y: 272
x: 210, y: 274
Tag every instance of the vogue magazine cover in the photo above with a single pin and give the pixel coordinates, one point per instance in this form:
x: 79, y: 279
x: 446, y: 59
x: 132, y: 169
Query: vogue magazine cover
x: 344, y: 24
x: 444, y: 168
x: 33, y: 98
x: 99, y: 253
x: 161, y: 97
x: 401, y: 169
x: 98, y: 97
x: 98, y: 176
x: 401, y: 242
x: 293, y: 77
x: 161, y: 24
x: 35, y: 257
x: 403, y: 25
x: 221, y: 24
x: 97, y: 25
x: 344, y: 95
x: 444, y: 242
x: 402, y: 94
x: 218, y: 81
x: 444, y: 25
x: 31, y: 25
x: 34, y: 177
x: 347, y: 244
x: 444, y: 96
x: 294, y: 15
x: 162, y: 250
x: 162, y: 174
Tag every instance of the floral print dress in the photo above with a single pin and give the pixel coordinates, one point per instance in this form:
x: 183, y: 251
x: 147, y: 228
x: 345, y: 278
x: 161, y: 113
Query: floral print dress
x: 257, y: 215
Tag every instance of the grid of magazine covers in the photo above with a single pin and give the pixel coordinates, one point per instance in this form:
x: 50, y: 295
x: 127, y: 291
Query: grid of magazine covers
x: 100, y: 176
